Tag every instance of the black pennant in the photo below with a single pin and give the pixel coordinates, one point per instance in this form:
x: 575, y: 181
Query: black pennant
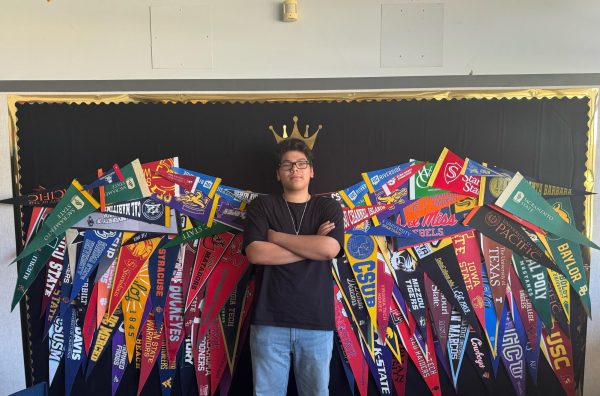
x: 509, y: 233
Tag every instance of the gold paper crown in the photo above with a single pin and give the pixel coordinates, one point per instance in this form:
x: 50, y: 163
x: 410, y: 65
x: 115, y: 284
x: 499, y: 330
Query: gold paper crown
x: 309, y: 140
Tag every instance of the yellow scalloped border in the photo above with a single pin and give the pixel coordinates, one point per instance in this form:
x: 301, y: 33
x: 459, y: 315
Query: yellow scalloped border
x: 313, y: 96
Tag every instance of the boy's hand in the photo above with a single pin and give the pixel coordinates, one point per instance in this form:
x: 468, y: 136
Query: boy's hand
x: 326, y: 228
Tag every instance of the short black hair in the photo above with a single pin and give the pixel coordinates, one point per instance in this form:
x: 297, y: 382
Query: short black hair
x: 293, y: 144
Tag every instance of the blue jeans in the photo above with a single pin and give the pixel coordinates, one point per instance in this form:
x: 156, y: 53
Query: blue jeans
x: 273, y: 349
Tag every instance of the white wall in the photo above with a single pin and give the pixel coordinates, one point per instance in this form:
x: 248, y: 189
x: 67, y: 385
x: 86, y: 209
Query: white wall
x: 111, y: 40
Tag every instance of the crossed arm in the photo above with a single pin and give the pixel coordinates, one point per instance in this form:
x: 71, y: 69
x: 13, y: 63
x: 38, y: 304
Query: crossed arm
x: 281, y: 248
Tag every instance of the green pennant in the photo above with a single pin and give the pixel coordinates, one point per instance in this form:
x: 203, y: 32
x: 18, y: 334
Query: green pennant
x: 29, y: 268
x: 522, y: 200
x: 567, y: 255
x: 74, y: 206
x: 197, y: 232
x: 133, y: 186
x: 534, y: 279
x: 418, y: 183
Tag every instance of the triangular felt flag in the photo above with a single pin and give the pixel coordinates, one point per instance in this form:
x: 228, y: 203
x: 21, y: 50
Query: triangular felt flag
x: 133, y: 186
x: 119, y: 359
x: 133, y: 306
x: 524, y: 201
x: 447, y: 175
x: 37, y: 198
x: 151, y: 345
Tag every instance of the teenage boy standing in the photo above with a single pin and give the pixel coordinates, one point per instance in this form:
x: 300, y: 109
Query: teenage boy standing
x: 292, y: 237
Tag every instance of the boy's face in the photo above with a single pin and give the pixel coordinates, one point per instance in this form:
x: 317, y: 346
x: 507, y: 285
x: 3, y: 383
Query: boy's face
x: 294, y: 179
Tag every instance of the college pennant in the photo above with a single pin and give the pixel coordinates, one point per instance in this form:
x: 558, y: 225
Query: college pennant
x: 207, y: 184
x: 447, y: 175
x: 151, y: 345
x: 443, y: 269
x: 466, y: 248
x: 130, y: 261
x: 354, y: 195
x: 355, y: 305
x: 144, y: 209
x: 429, y: 204
x: 74, y: 348
x: 230, y: 317
x: 166, y: 371
x: 43, y: 198
x: 472, y: 168
x: 385, y: 285
x: 535, y: 282
x: 350, y: 344
x: 133, y: 186
x: 75, y: 204
x: 133, y: 306
x: 105, y: 332
x: 95, y: 246
x: 359, y: 214
x: 399, y: 368
x: 210, y: 251
x: 106, y: 178
x: 54, y: 273
x: 562, y: 290
x: 418, y: 183
x: 361, y: 251
x: 558, y: 351
x: 386, y: 228
x: 508, y: 233
x: 426, y: 364
x: 188, y: 182
x: 195, y: 233
x: 397, y: 201
x: 112, y: 222
x: 497, y: 260
x: 524, y: 201
x: 513, y: 356
x: 491, y: 318
x: 161, y: 265
x: 218, y: 356
x: 410, y: 280
x: 31, y: 265
x: 174, y: 330
x: 380, y: 365
x: 440, y: 310
x: 223, y: 280
x: 203, y: 365
x: 458, y: 336
x: 567, y: 254
x: 377, y: 178
x: 56, y: 347
x: 56, y: 302
x: 477, y: 353
x: 558, y: 313
x: 119, y: 358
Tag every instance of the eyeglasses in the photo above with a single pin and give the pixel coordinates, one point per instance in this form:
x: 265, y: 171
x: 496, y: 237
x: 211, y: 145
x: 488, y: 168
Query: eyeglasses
x: 289, y: 165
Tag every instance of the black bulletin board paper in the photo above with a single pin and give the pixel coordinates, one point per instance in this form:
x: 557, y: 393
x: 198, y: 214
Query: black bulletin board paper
x: 543, y: 138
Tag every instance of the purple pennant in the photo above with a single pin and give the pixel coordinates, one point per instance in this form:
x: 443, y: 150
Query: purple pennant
x: 513, y: 356
x: 501, y: 328
x: 381, y: 366
x: 119, y: 358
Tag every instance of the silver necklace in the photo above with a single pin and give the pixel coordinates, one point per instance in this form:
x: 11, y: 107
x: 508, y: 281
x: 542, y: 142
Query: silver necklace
x: 297, y: 231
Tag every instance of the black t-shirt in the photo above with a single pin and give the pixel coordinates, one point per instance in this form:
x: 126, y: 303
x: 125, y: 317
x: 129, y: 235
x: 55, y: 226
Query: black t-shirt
x: 297, y: 294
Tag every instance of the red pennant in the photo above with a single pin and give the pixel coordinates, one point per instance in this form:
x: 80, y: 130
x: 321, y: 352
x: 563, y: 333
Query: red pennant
x: 385, y: 285
x: 560, y: 355
x: 466, y: 246
x: 218, y: 356
x: 210, y: 251
x: 360, y: 214
x: 89, y: 322
x: 226, y: 275
x: 174, y: 329
x: 151, y: 345
x: 350, y: 344
x: 446, y: 175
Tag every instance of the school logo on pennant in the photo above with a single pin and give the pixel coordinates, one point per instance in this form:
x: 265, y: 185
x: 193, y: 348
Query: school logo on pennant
x: 518, y: 197
x: 452, y: 172
x: 152, y: 210
x: 130, y: 183
x: 77, y: 202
